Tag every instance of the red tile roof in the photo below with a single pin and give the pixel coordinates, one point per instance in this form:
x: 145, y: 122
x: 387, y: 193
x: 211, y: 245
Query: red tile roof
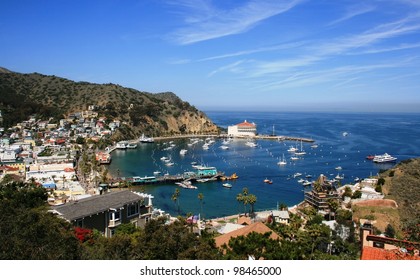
x: 372, y: 253
x: 256, y: 227
x: 247, y: 124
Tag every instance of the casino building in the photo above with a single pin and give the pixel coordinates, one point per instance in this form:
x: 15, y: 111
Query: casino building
x: 245, y: 129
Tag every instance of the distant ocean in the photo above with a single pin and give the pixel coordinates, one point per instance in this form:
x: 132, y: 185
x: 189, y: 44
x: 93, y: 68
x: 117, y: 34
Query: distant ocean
x: 343, y: 140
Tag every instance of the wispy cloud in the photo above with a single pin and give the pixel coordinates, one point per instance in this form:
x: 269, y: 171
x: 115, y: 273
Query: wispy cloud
x: 353, y: 12
x: 232, y: 67
x: 253, y: 51
x: 205, y: 22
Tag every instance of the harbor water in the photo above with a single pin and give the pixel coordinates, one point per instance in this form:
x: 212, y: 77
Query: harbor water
x: 343, y: 142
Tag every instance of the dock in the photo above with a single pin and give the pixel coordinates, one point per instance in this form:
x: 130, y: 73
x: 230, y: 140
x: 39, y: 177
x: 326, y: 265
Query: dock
x: 159, y: 180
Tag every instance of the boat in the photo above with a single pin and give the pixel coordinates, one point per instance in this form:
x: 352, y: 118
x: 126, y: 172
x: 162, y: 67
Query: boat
x: 306, y: 183
x: 251, y: 144
x: 338, y: 177
x: 156, y: 173
x: 267, y: 181
x: 182, y: 152
x: 227, y: 185
x: 370, y: 157
x: 170, y: 163
x: 131, y: 145
x: 300, y: 152
x: 145, y: 139
x: 345, y: 133
x: 294, y: 158
x: 314, y: 146
x: 224, y: 147
x: 384, y: 158
x: 338, y: 168
x: 292, y: 149
x: 283, y: 161
x: 297, y: 174
x: 234, y: 176
x: 122, y: 145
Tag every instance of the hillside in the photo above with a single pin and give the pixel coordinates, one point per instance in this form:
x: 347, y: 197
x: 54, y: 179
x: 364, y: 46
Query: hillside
x: 402, y: 184
x: 160, y: 114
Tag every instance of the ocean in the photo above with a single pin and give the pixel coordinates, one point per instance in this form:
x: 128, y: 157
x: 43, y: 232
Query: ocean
x: 344, y: 140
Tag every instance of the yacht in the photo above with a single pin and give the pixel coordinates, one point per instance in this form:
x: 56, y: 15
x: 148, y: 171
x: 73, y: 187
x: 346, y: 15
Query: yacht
x: 182, y: 152
x: 283, y: 161
x: 384, y: 158
x: 227, y: 185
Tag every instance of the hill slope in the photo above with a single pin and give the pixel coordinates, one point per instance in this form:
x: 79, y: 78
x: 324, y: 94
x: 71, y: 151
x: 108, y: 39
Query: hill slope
x: 161, y: 114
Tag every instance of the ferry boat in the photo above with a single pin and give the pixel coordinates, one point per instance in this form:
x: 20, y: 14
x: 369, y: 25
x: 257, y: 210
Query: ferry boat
x: 384, y: 158
x: 137, y: 180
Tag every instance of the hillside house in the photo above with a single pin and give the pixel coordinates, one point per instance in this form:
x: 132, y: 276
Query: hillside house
x: 108, y: 211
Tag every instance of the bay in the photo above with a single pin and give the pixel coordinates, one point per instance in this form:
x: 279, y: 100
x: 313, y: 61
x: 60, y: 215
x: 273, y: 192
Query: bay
x: 343, y: 139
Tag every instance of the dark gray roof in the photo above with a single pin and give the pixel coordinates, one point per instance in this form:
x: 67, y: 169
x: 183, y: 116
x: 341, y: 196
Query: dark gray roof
x: 96, y: 204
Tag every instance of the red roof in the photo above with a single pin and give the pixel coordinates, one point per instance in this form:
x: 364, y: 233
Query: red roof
x: 372, y: 253
x: 247, y: 124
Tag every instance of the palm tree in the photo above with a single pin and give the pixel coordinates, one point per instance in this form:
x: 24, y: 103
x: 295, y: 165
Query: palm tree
x: 175, y: 198
x: 201, y: 197
x: 252, y: 199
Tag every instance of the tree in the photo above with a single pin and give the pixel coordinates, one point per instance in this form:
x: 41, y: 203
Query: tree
x: 175, y: 198
x: 390, y: 231
x: 200, y: 198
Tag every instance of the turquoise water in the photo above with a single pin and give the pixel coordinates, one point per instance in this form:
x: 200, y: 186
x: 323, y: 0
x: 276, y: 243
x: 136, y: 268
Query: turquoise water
x: 396, y: 134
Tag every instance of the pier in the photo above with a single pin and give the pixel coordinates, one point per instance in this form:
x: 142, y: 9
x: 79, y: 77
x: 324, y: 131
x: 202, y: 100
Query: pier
x: 165, y: 179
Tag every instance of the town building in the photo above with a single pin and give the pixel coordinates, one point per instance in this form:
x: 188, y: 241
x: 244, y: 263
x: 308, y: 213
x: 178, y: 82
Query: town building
x: 322, y: 192
x: 108, y: 211
x: 375, y: 247
x: 244, y: 129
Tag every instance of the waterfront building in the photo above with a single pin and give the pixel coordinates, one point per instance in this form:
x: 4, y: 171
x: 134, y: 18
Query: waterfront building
x: 108, y: 211
x: 322, y: 192
x: 244, y: 129
x: 103, y: 157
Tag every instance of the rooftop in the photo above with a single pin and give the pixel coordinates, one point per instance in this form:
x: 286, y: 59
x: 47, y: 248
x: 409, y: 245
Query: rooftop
x: 96, y: 204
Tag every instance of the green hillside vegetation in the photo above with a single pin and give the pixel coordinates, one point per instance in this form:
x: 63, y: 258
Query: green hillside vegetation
x: 402, y: 184
x: 45, y: 96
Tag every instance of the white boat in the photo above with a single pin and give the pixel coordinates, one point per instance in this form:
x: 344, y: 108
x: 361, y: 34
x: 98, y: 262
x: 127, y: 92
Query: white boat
x: 300, y: 152
x: 182, y: 152
x: 294, y: 158
x: 145, y: 139
x: 169, y: 163
x: 338, y: 177
x: 122, y: 145
x: 283, y: 161
x: 306, y: 183
x: 292, y: 149
x: 131, y: 145
x: 297, y: 174
x: 314, y: 146
x: 164, y: 158
x: 205, y: 146
x: 227, y: 185
x: 156, y: 173
x: 338, y: 168
x: 224, y: 147
x: 251, y: 144
x: 384, y: 158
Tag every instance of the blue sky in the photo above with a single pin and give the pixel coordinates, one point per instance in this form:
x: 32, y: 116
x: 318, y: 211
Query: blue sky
x: 227, y: 54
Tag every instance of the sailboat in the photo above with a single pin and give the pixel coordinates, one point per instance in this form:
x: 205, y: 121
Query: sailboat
x: 300, y: 152
x: 283, y: 161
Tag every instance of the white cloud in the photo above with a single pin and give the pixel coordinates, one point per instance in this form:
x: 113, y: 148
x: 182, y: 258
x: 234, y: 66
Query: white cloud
x: 353, y: 12
x: 206, y: 22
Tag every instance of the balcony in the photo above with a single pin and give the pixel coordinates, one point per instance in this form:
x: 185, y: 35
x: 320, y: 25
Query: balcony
x: 114, y: 223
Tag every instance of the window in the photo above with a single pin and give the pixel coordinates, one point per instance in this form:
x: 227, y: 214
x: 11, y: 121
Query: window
x: 115, y: 215
x: 132, y: 209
